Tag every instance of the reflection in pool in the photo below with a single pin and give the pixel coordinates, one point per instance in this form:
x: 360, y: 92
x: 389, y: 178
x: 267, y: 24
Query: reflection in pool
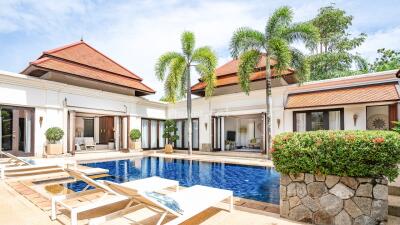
x: 251, y: 182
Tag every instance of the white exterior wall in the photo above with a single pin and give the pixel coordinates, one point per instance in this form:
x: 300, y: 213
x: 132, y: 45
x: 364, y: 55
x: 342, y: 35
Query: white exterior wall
x: 230, y: 104
x: 48, y: 100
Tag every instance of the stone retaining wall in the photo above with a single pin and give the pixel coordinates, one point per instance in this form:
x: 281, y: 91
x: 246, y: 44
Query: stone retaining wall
x: 335, y: 200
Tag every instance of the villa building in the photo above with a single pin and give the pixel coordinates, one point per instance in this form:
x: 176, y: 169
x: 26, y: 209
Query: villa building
x: 88, y: 95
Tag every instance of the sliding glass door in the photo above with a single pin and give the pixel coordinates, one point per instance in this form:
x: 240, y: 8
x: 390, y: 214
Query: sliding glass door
x: 16, y: 130
x: 145, y: 134
x: 183, y: 134
x: 152, y: 131
x: 216, y: 133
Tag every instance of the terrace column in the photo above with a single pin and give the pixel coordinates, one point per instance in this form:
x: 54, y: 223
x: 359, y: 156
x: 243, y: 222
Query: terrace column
x: 65, y: 129
x: 222, y: 132
x: 117, y: 134
x: 125, y: 133
x: 96, y: 128
x: 72, y: 132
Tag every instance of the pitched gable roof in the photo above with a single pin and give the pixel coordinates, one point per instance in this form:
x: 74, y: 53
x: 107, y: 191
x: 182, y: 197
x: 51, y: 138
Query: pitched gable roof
x: 82, y: 60
x: 82, y: 53
x: 227, y: 74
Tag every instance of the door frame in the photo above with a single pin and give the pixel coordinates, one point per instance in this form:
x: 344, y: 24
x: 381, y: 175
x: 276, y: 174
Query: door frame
x: 15, y: 151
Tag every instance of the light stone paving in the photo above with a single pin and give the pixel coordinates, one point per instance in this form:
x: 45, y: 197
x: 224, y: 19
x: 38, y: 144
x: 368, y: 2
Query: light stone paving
x: 15, y: 209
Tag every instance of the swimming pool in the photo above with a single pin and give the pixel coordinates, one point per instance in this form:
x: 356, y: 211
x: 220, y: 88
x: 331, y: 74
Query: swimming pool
x: 251, y: 182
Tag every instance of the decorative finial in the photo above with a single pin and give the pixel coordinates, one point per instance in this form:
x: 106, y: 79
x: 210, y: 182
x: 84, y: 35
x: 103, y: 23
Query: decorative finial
x: 82, y: 38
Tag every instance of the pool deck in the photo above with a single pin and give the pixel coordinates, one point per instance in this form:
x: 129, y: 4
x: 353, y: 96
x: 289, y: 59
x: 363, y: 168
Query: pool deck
x: 22, y: 203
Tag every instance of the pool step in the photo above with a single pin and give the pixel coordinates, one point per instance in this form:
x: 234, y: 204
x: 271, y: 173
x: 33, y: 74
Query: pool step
x: 393, y: 220
x: 394, y: 205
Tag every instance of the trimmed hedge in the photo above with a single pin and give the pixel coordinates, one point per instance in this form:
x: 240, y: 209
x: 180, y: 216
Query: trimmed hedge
x: 135, y: 134
x: 54, y: 134
x: 341, y: 153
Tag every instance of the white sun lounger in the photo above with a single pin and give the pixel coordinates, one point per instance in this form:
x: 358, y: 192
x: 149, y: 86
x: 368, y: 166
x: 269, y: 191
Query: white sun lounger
x: 191, y: 201
x: 19, y: 167
x: 146, y: 184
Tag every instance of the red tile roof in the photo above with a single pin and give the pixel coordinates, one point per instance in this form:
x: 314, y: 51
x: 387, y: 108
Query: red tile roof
x: 88, y: 72
x: 81, y: 52
x: 338, y: 82
x: 231, y: 67
x: 81, y: 59
x: 227, y: 74
x: 343, y: 96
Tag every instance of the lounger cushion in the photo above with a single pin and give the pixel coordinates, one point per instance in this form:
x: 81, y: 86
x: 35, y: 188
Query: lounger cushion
x: 165, y: 200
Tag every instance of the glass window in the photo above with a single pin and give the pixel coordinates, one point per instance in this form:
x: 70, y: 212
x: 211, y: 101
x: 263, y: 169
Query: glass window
x: 153, y: 139
x: 334, y: 120
x: 195, y: 131
x: 179, y: 133
x: 88, y: 127
x: 300, y: 121
x: 161, y: 140
x: 145, y: 133
x: 378, y: 117
x: 186, y: 135
x: 317, y: 121
x: 329, y: 119
x: 6, y: 129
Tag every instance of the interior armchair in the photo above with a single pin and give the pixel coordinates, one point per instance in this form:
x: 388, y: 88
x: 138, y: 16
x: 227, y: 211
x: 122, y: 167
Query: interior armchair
x: 255, y: 143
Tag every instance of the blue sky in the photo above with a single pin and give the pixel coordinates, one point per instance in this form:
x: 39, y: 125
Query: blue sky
x: 136, y: 33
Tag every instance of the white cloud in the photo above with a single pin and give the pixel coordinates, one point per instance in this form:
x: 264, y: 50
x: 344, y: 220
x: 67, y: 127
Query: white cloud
x: 380, y: 39
x: 136, y: 33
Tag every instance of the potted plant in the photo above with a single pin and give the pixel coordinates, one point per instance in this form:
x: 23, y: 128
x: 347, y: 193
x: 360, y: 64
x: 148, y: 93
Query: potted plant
x: 170, y: 135
x: 135, y: 135
x: 53, y: 136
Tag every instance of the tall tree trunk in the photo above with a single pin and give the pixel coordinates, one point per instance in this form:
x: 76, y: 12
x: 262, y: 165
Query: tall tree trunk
x: 189, y: 109
x: 268, y: 101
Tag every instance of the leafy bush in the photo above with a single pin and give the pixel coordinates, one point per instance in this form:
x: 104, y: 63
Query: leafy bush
x: 342, y: 153
x: 54, y: 134
x: 170, y: 131
x: 135, y: 134
x: 396, y: 126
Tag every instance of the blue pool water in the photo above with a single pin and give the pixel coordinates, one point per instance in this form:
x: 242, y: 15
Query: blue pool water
x: 251, y: 182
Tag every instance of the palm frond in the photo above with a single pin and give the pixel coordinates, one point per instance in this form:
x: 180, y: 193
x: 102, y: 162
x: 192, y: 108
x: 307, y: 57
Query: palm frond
x: 245, y: 39
x: 305, y: 32
x: 280, y: 49
x: 163, y: 63
x: 207, y: 62
x: 361, y: 63
x: 247, y: 63
x: 301, y: 64
x: 173, y: 85
x: 206, y: 56
x: 188, y: 42
x: 280, y: 19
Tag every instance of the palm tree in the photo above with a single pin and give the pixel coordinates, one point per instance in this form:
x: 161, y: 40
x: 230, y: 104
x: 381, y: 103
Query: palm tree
x: 250, y: 46
x: 177, y: 67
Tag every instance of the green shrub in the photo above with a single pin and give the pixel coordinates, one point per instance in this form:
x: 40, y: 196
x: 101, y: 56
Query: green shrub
x: 170, y: 131
x: 396, y: 126
x: 54, y: 134
x: 342, y: 153
x: 135, y: 134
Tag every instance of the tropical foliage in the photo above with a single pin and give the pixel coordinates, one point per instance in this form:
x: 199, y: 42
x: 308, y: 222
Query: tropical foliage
x: 135, y: 134
x: 54, y: 134
x: 396, y: 126
x: 332, y: 55
x: 170, y: 131
x: 388, y: 60
x: 174, y: 69
x: 341, y: 153
x: 250, y: 45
